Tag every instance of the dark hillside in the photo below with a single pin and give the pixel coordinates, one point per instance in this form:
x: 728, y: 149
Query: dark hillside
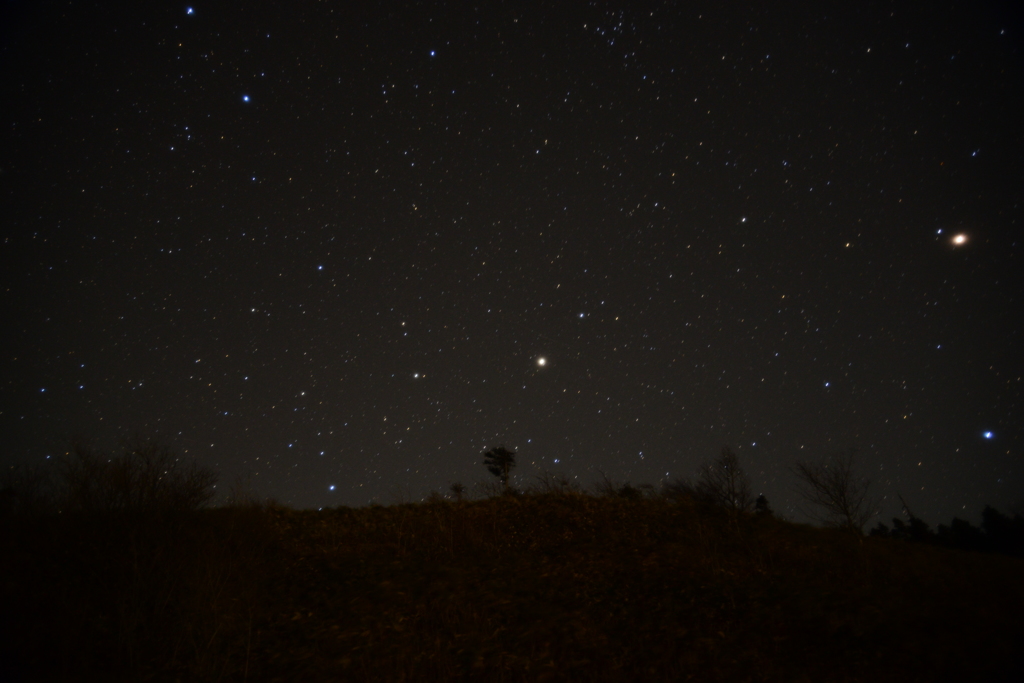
x: 521, y: 588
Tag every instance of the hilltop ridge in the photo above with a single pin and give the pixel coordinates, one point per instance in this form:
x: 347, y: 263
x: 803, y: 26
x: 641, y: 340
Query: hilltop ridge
x: 535, y: 587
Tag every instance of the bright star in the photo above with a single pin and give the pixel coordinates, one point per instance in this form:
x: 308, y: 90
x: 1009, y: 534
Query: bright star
x: 988, y: 435
x: 959, y: 239
x: 245, y: 98
x: 542, y: 361
x: 331, y: 487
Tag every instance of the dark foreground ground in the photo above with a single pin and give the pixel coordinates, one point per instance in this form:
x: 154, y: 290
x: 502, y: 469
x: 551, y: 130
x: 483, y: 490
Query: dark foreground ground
x: 551, y: 587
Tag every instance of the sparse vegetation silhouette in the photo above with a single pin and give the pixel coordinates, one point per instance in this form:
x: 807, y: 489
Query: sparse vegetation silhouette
x: 458, y: 490
x: 144, y: 477
x: 835, y: 493
x: 500, y: 462
x: 118, y: 564
x: 624, y: 583
x: 999, y: 533
x: 722, y: 482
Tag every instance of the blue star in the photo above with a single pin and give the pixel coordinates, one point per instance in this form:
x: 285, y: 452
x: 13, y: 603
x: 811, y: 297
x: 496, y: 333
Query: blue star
x: 245, y: 98
x: 988, y: 435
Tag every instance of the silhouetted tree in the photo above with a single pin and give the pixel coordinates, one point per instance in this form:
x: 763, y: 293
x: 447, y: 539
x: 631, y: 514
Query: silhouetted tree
x: 837, y: 495
x: 961, y: 534
x: 998, y: 533
x: 604, y: 486
x: 915, y: 529
x: 761, y: 506
x: 722, y: 482
x: 500, y: 462
x: 457, y: 490
x: 143, y: 477
x: 1005, y: 535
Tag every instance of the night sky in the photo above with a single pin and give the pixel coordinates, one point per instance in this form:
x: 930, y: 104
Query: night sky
x: 342, y: 250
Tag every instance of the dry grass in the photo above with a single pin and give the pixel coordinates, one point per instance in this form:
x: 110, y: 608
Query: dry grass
x: 541, y: 587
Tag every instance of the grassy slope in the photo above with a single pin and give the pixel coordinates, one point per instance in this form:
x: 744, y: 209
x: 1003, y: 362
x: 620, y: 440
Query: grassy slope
x: 557, y: 588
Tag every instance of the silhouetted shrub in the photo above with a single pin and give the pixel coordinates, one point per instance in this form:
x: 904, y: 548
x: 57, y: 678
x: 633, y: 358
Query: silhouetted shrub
x: 629, y: 492
x: 913, y: 530
x: 548, y: 482
x: 679, y: 490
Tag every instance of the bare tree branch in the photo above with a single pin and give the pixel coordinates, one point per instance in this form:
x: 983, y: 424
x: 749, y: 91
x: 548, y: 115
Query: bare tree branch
x: 723, y: 482
x: 838, y: 497
x: 144, y: 477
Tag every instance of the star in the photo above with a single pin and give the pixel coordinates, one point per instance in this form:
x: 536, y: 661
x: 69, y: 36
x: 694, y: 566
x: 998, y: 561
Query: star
x: 959, y: 239
x: 542, y: 361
